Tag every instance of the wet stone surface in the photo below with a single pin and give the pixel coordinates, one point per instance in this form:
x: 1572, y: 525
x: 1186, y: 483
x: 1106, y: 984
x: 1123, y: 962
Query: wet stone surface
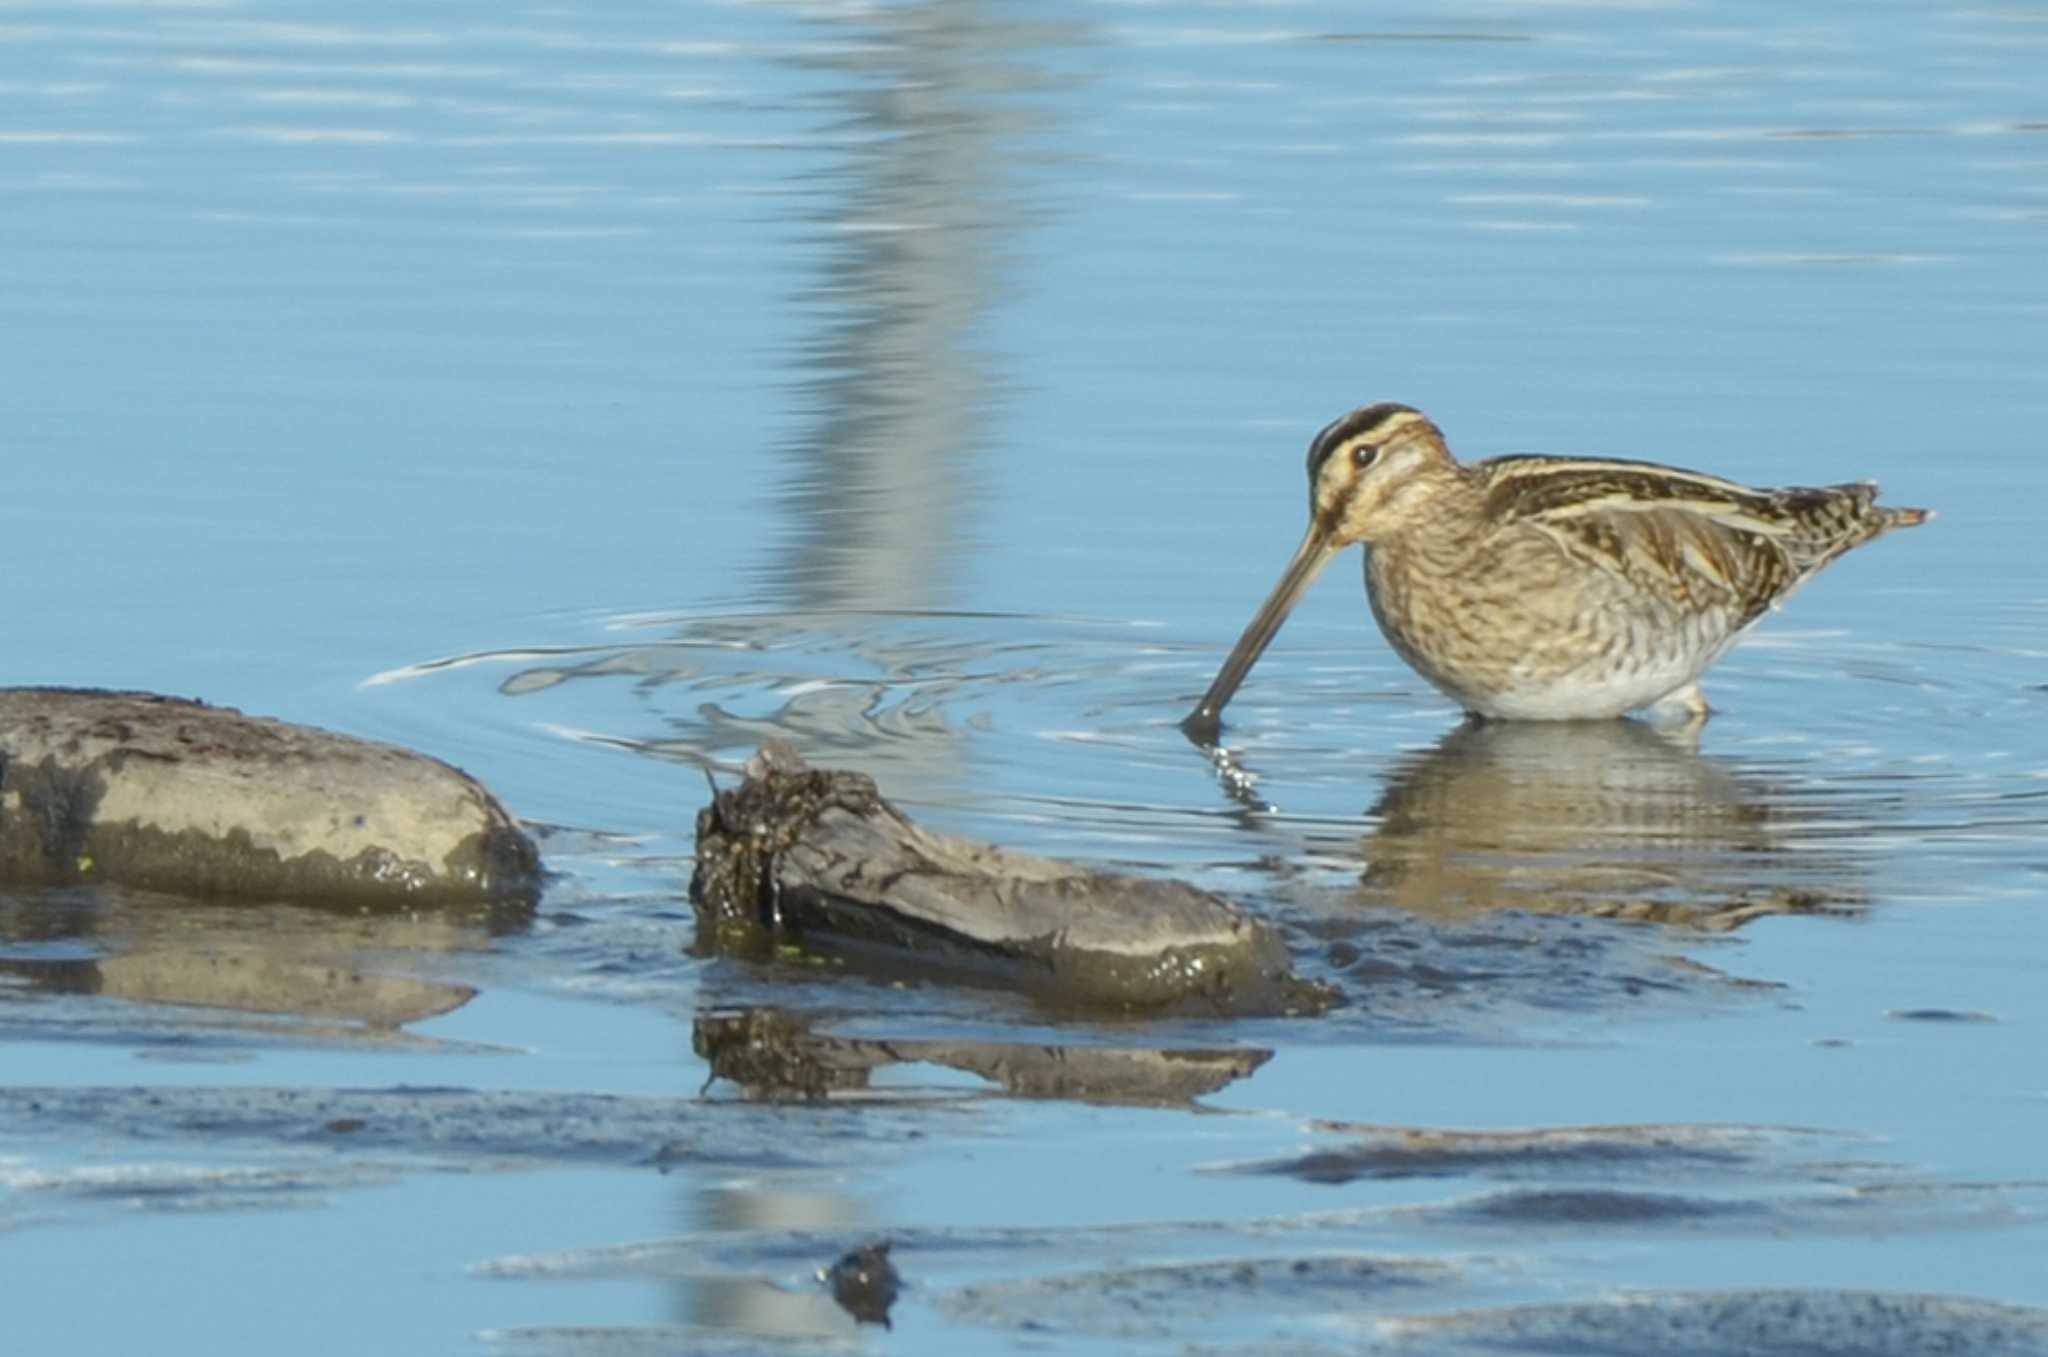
x: 820, y: 856
x: 161, y: 793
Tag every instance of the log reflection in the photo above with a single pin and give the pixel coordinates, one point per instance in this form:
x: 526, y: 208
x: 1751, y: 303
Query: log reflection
x: 775, y: 1054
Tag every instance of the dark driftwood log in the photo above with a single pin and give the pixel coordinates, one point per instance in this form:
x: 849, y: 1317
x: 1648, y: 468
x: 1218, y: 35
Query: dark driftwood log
x: 799, y: 852
x: 172, y: 795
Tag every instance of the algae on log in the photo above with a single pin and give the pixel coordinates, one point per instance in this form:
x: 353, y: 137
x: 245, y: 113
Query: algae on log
x: 805, y: 853
x: 174, y: 795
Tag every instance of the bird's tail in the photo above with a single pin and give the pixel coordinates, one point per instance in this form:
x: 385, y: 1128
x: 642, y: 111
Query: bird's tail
x: 1874, y: 519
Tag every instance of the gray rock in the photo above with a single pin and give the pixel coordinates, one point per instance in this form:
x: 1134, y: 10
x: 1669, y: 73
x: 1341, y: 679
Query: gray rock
x: 174, y: 795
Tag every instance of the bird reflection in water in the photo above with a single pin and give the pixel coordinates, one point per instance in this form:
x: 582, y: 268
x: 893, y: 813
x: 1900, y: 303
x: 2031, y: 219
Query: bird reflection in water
x: 1619, y: 819
x: 1612, y: 818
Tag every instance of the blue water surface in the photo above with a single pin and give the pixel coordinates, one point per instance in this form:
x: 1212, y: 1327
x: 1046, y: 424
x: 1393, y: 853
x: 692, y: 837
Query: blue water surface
x: 583, y: 394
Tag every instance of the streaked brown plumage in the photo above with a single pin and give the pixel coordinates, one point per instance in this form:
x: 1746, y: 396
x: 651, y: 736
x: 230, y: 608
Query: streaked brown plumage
x: 1550, y: 588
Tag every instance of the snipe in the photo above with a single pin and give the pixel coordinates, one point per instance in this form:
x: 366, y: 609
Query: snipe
x: 1550, y: 588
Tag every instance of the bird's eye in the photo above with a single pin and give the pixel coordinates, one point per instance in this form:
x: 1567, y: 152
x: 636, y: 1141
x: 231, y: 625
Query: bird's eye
x: 1362, y: 456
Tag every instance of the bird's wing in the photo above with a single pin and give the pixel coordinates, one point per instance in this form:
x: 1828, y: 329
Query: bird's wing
x: 1704, y: 543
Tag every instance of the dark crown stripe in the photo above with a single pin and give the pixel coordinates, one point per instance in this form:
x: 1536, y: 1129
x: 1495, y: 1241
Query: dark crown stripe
x: 1349, y: 428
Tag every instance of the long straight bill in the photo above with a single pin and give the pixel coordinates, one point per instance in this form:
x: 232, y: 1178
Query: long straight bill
x: 1315, y: 551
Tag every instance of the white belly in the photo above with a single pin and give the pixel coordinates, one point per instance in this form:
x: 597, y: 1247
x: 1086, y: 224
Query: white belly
x: 1573, y: 698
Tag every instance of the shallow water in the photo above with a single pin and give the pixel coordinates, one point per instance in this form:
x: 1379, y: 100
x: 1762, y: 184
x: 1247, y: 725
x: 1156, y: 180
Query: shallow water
x: 584, y: 397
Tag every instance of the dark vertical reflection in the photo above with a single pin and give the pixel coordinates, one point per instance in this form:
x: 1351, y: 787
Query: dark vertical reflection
x: 758, y: 1302
x: 900, y: 256
x: 895, y: 404
x: 912, y: 233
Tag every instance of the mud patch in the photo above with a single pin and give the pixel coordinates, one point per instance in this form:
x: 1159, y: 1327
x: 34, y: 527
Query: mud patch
x: 465, y: 1128
x: 46, y: 1193
x: 1806, y: 1323
x: 1162, y: 1300
x: 1652, y: 1151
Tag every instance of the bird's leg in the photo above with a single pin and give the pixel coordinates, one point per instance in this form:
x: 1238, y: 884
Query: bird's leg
x: 1685, y: 707
x: 1690, y: 700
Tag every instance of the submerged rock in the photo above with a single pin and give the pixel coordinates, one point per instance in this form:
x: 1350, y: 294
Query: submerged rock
x: 800, y: 853
x: 865, y: 1283
x: 175, y: 795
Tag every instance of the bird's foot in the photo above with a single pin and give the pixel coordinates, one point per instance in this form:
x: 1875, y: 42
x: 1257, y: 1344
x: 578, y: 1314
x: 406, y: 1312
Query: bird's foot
x: 1681, y: 713
x: 1689, y: 700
